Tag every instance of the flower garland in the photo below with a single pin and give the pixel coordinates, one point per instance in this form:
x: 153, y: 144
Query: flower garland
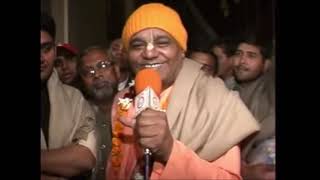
x: 122, y: 110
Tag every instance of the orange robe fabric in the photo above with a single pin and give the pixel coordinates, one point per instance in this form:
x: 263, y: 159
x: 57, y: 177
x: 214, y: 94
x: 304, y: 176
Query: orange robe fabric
x: 183, y: 162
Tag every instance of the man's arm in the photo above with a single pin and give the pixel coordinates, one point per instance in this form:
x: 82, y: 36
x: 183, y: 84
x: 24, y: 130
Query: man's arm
x: 177, y: 160
x: 67, y: 161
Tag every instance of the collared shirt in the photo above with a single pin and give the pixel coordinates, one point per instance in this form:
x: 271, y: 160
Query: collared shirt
x: 230, y: 82
x: 123, y: 84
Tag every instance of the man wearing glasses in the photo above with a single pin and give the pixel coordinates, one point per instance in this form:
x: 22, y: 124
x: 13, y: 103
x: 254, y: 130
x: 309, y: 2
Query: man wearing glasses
x: 101, y: 82
x: 67, y: 120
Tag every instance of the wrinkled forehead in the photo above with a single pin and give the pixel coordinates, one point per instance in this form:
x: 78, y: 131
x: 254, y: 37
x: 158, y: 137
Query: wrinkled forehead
x: 116, y: 42
x: 246, y: 47
x: 95, y: 56
x: 150, y: 33
x: 203, y: 58
x: 45, y: 37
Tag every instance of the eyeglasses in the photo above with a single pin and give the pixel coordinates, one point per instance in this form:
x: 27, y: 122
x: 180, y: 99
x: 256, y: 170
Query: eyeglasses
x: 99, y: 67
x: 46, y: 47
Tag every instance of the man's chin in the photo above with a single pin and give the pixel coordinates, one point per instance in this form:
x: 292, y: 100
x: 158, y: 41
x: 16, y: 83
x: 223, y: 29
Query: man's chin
x: 103, y: 94
x: 44, y: 76
x: 67, y: 81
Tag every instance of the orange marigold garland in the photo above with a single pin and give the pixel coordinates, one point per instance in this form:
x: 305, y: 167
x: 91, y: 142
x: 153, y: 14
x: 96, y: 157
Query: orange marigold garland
x: 122, y: 110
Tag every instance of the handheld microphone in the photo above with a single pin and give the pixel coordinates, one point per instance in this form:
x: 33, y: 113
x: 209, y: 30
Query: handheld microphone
x: 148, y: 87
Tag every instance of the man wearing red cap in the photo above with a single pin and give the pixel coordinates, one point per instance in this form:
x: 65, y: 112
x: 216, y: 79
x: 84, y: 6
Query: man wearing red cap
x: 197, y: 132
x: 66, y: 65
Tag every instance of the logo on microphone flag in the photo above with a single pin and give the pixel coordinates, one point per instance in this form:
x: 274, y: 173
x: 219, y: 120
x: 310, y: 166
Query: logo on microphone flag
x: 146, y: 99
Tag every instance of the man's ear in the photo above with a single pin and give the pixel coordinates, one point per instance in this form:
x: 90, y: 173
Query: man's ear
x: 183, y: 54
x: 267, y: 65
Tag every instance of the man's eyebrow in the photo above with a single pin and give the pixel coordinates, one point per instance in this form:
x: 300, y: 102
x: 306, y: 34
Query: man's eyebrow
x: 136, y: 39
x: 46, y: 43
x: 252, y: 53
x: 155, y: 37
x: 161, y: 37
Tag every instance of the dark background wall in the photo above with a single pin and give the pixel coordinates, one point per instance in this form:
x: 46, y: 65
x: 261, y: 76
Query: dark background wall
x: 88, y: 22
x: 209, y: 21
x: 100, y: 21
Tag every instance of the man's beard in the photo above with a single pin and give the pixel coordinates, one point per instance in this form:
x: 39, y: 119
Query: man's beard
x: 104, y: 93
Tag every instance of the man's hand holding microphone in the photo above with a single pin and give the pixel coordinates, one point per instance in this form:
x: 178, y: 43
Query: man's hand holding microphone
x: 151, y: 127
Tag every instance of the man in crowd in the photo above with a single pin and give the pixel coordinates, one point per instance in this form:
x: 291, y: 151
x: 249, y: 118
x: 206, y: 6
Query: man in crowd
x: 197, y: 132
x: 224, y: 49
x: 255, y: 83
x: 67, y: 121
x: 100, y: 80
x: 207, y: 59
x: 117, y: 55
x: 66, y: 65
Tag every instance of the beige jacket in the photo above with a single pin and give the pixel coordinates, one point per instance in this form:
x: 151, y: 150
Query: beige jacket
x: 205, y: 115
x: 259, y: 96
x: 71, y: 117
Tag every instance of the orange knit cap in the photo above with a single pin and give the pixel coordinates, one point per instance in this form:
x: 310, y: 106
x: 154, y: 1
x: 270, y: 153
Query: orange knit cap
x: 155, y: 15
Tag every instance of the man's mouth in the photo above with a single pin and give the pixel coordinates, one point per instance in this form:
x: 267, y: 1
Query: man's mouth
x: 101, y: 84
x: 241, y: 68
x: 67, y: 75
x: 43, y: 67
x: 155, y: 65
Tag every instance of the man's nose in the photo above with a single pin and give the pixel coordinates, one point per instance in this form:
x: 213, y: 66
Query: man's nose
x: 150, y: 53
x: 41, y: 58
x: 97, y: 74
x: 242, y: 59
x: 64, y: 65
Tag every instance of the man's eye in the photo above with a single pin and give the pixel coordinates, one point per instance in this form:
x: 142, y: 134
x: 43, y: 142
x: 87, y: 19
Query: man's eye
x: 238, y: 53
x: 46, y: 47
x: 137, y: 44
x: 251, y: 55
x: 162, y: 43
x: 57, y: 63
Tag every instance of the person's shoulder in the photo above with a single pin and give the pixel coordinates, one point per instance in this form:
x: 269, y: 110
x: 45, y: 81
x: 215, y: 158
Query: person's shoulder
x: 214, y: 89
x: 71, y: 91
x: 212, y: 84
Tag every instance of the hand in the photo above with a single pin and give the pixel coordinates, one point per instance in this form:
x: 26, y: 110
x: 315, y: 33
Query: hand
x: 152, y: 131
x: 259, y: 171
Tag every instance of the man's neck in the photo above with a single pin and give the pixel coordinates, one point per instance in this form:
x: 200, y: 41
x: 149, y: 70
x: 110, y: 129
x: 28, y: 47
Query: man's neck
x: 44, y: 84
x: 246, y: 84
x: 227, y: 75
x: 104, y: 105
x: 124, y: 76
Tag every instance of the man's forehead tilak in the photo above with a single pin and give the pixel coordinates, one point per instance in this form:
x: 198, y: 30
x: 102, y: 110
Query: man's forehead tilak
x: 150, y: 40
